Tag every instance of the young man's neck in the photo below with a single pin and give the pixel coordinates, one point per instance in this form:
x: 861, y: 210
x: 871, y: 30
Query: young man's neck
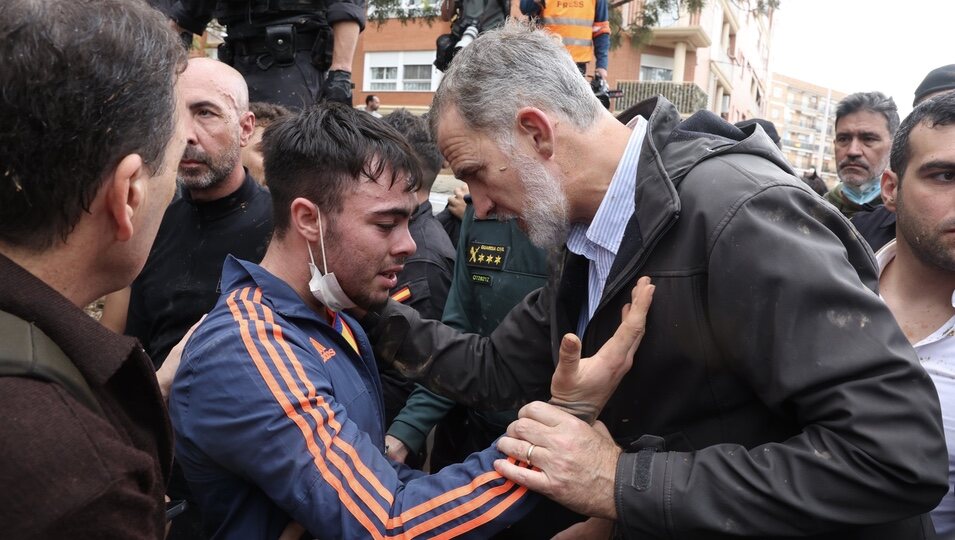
x: 290, y: 264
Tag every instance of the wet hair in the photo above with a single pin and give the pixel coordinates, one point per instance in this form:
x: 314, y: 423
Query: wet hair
x: 415, y: 129
x: 266, y: 113
x: 876, y: 102
x: 326, y: 150
x: 505, y: 69
x: 83, y: 84
x: 938, y: 111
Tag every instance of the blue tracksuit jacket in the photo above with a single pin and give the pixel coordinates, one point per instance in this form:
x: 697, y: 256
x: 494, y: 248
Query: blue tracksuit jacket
x: 278, y: 418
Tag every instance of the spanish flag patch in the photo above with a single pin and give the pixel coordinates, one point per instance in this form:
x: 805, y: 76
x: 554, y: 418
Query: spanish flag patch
x: 402, y: 295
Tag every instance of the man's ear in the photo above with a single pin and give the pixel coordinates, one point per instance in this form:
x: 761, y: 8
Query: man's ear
x: 890, y: 189
x: 125, y: 194
x: 304, y: 219
x: 246, y: 127
x: 535, y: 126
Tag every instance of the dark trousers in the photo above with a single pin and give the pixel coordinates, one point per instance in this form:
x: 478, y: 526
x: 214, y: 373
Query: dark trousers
x: 295, y: 86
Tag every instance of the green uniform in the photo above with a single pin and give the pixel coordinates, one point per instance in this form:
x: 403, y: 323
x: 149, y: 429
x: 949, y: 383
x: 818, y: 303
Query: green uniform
x: 496, y: 267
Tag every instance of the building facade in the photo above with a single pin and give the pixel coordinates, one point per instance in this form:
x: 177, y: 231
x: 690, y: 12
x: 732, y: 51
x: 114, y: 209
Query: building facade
x: 805, y: 117
x: 715, y: 59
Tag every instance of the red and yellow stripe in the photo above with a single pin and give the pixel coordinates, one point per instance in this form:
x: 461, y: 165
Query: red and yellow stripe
x: 403, y: 294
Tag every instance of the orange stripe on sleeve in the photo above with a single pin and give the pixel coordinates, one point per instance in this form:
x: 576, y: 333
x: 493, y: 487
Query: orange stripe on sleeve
x: 600, y: 28
x: 360, y: 466
x: 484, y: 518
x: 297, y: 419
x: 448, y: 496
x: 460, y: 510
x: 305, y: 403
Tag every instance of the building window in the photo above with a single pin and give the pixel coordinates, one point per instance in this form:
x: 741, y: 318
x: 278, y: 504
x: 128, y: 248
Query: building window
x: 656, y: 68
x: 417, y: 77
x: 648, y: 73
x: 404, y: 71
x: 411, y: 8
x: 383, y: 78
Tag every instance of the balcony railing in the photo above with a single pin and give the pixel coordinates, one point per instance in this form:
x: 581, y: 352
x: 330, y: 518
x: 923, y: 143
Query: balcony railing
x: 688, y: 97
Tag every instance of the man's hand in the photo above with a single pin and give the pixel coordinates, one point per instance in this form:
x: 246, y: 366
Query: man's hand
x: 167, y: 372
x: 456, y: 204
x: 592, y: 529
x: 583, y: 386
x: 395, y: 449
x: 602, y: 72
x: 574, y: 463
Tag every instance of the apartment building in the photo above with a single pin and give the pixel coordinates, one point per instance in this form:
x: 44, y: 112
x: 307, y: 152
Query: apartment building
x: 715, y: 59
x: 805, y: 117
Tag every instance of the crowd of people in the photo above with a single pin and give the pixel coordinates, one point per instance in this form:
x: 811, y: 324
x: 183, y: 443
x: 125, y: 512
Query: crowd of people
x: 635, y: 326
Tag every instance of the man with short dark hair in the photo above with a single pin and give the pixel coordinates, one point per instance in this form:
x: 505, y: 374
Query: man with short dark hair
x: 865, y: 125
x: 90, y: 134
x: 372, y: 103
x: 877, y: 226
x: 918, y: 268
x: 288, y: 424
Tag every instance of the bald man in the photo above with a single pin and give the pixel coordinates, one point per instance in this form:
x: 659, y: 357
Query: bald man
x: 219, y: 210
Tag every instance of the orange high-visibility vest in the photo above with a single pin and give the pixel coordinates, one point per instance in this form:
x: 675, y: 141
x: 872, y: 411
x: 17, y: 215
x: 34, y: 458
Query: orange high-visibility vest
x: 573, y: 21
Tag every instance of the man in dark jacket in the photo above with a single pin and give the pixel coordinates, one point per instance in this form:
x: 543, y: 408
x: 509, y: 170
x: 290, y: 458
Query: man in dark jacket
x: 89, y: 141
x: 773, y: 395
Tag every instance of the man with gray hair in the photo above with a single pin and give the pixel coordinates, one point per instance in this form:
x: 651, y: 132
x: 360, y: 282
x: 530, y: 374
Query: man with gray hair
x: 865, y: 125
x: 757, y: 405
x: 90, y: 134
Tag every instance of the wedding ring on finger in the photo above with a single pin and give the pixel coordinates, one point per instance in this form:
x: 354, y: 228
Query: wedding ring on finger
x: 530, y: 451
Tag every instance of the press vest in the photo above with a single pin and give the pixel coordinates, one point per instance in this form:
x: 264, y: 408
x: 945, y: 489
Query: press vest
x: 573, y: 21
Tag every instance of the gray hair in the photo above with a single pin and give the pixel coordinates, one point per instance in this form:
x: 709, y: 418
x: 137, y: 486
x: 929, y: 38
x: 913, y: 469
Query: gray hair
x: 876, y: 102
x: 512, y: 67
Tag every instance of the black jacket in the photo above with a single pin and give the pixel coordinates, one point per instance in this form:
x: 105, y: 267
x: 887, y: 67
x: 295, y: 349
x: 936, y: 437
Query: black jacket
x: 427, y: 273
x: 876, y: 226
x: 773, y: 394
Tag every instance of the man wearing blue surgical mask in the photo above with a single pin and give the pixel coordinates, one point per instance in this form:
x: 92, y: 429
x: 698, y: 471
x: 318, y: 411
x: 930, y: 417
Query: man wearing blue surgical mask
x: 865, y: 125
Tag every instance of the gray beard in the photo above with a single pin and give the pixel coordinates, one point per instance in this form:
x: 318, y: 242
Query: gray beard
x: 217, y: 169
x: 545, y: 209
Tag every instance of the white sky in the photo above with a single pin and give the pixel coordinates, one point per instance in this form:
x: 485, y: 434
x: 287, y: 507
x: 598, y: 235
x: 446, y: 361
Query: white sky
x: 864, y: 45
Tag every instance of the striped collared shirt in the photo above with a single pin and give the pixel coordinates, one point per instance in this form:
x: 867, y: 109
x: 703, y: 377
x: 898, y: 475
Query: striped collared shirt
x: 600, y: 240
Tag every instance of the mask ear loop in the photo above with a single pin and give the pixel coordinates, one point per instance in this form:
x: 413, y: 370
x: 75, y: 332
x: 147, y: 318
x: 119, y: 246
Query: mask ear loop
x: 321, y: 240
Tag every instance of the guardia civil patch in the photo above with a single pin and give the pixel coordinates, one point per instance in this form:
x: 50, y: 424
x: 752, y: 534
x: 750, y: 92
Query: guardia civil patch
x: 483, y: 255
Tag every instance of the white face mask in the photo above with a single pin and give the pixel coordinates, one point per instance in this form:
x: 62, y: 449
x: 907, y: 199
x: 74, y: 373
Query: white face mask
x: 325, y: 287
